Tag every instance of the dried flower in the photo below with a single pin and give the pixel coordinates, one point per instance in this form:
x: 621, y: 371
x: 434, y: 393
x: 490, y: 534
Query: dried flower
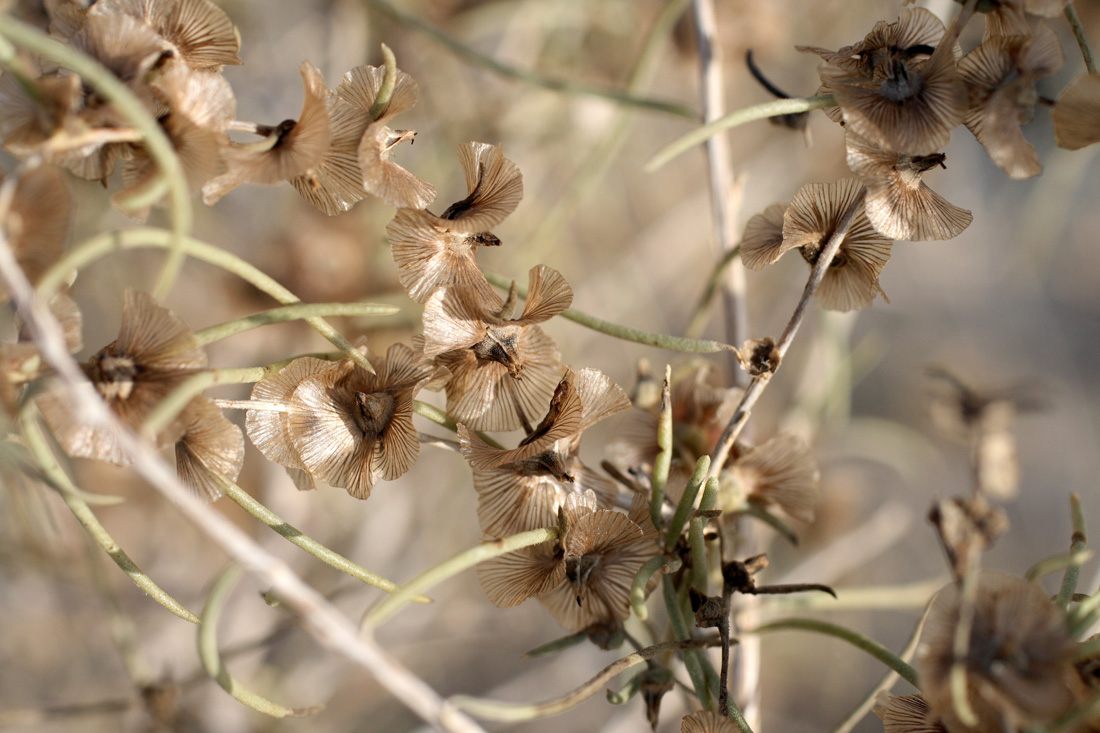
x: 291, y: 148
x: 851, y: 282
x: 759, y: 356
x: 503, y: 369
x: 899, y: 204
x: 380, y: 176
x: 1019, y: 660
x: 523, y: 488
x: 1077, y: 113
x: 153, y: 354
x: 895, y: 87
x: 494, y: 187
x: 1000, y: 76
x: 430, y: 257
x: 210, y: 446
x: 351, y: 428
x: 781, y: 472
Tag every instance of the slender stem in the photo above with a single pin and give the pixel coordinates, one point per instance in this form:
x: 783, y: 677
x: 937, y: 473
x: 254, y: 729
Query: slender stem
x: 626, y: 333
x: 1082, y: 38
x: 389, y: 81
x: 698, y: 320
x: 510, y: 712
x: 331, y: 558
x: 39, y: 448
x: 1053, y: 564
x: 1077, y: 546
x: 663, y: 462
x: 101, y: 245
x: 693, y: 658
x: 872, y: 647
x: 1084, y: 615
x: 712, y: 93
x: 757, y: 511
x: 439, y: 417
x: 756, y: 388
x: 557, y: 645
x: 687, y: 502
x: 177, y: 400
x: 385, y: 608
x: 290, y: 313
x: 888, y: 680
x: 734, y: 119
x: 211, y: 658
x: 130, y: 107
x: 529, y: 77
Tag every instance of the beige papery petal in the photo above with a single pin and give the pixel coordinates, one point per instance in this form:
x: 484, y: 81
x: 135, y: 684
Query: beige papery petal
x: 494, y: 187
x: 198, y: 30
x: 511, y: 579
x: 762, y: 242
x: 1000, y: 75
x: 905, y: 714
x: 706, y: 721
x: 292, y: 149
x: 382, y: 177
x: 37, y: 221
x: 430, y: 258
x: 41, y: 111
x: 899, y: 204
x: 851, y: 281
x: 915, y: 28
x: 548, y: 294
x: 269, y: 429
x: 351, y: 428
x: 781, y: 472
x: 153, y: 354
x: 335, y: 184
x: 211, y: 445
x: 509, y: 501
x: 1077, y: 113
x: 600, y: 397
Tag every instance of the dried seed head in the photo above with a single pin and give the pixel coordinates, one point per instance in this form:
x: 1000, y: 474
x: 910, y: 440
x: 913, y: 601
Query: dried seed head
x: 430, y: 258
x: 707, y: 721
x: 494, y: 187
x: 1000, y: 76
x: 351, y: 428
x: 851, y: 282
x: 37, y: 222
x: 781, y: 472
x: 153, y: 354
x: 898, y: 203
x: 197, y: 31
x: 759, y: 356
x: 1019, y: 661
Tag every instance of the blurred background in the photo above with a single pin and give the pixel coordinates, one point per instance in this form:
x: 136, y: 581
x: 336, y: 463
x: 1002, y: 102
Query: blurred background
x: 1015, y: 300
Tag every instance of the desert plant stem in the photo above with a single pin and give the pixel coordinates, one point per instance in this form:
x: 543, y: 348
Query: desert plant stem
x: 734, y: 119
x: 695, y: 535
x: 662, y: 464
x: 758, y: 384
x: 529, y: 77
x: 872, y: 647
x: 1082, y: 38
x: 211, y: 658
x: 626, y: 333
x: 245, y: 501
x: 693, y: 658
x: 99, y: 246
x: 385, y: 608
x: 290, y: 313
x: 722, y: 191
x: 319, y: 617
x: 130, y: 107
x: 687, y: 502
x: 1077, y: 546
x: 36, y: 443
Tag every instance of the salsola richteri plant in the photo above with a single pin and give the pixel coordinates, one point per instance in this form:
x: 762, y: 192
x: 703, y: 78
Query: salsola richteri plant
x: 466, y: 498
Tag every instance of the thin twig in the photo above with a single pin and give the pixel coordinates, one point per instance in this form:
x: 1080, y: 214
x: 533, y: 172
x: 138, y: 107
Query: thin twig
x: 722, y: 190
x: 320, y: 617
x: 1082, y: 39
